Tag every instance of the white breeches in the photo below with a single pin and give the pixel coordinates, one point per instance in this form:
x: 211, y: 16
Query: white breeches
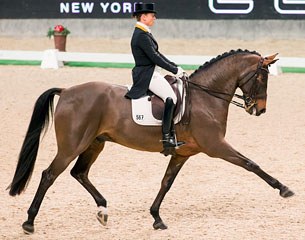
x: 160, y: 86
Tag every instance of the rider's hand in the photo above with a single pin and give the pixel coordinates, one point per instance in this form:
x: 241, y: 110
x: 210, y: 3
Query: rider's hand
x: 180, y: 72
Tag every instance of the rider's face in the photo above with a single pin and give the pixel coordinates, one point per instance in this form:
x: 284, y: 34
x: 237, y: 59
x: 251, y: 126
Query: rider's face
x: 148, y: 19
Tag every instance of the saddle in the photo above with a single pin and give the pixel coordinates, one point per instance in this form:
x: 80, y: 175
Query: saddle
x: 158, y: 104
x: 148, y: 110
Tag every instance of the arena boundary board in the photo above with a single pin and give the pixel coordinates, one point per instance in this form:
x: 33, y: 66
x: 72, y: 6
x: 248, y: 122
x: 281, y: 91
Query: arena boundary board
x: 111, y: 60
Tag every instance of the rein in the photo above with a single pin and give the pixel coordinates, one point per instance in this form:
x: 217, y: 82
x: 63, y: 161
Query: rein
x: 216, y: 94
x: 249, y: 100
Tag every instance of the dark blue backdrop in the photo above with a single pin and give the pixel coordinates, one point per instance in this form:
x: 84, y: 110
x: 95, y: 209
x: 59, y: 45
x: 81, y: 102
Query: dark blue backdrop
x: 169, y: 9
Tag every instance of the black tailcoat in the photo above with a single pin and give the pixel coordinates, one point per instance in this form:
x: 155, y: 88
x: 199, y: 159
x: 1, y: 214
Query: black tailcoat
x: 146, y: 55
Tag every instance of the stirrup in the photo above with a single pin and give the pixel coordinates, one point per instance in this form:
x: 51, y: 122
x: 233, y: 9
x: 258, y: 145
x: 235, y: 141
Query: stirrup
x: 177, y: 143
x: 170, y: 143
x: 169, y: 150
x: 170, y: 140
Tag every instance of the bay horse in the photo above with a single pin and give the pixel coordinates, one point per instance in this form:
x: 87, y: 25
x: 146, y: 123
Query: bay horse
x: 90, y: 114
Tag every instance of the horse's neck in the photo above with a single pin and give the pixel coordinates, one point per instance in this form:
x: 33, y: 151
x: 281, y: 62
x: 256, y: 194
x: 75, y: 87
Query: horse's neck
x: 224, y: 74
x: 224, y: 81
x: 220, y: 86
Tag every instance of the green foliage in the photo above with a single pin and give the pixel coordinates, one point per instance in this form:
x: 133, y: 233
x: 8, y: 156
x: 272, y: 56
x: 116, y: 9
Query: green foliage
x: 58, y: 30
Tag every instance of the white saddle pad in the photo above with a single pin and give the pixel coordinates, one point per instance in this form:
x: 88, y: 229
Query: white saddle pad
x: 142, y: 110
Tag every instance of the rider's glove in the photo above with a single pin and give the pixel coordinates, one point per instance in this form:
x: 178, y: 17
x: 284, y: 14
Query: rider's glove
x: 180, y: 72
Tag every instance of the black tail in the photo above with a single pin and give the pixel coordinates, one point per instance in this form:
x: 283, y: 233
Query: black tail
x: 43, y: 109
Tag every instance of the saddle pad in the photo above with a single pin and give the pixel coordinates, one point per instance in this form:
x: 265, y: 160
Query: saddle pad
x: 142, y: 111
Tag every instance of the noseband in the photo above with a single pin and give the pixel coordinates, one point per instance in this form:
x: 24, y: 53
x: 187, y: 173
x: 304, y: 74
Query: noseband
x: 250, y: 99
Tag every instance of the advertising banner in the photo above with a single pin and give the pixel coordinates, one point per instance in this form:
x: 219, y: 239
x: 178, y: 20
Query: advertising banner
x: 173, y: 9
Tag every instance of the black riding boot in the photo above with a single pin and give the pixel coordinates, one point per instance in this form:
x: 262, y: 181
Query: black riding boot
x: 168, y: 132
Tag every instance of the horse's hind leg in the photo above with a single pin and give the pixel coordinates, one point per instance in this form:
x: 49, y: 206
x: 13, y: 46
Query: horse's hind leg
x: 80, y: 173
x: 172, y: 171
x: 226, y: 152
x: 47, y: 179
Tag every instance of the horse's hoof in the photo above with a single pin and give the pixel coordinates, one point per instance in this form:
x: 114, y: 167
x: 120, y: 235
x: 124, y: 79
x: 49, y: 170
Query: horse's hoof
x: 159, y: 225
x: 102, y: 216
x: 285, y: 192
x: 28, y: 228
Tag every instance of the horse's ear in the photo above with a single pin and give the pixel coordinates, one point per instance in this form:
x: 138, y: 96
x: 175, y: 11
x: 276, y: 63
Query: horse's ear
x: 270, y: 60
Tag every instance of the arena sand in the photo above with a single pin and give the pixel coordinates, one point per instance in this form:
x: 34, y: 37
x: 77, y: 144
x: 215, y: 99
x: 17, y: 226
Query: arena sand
x: 210, y: 199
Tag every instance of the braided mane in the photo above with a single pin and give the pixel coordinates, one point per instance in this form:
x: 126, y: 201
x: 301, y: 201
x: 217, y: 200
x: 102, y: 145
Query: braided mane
x: 224, y: 55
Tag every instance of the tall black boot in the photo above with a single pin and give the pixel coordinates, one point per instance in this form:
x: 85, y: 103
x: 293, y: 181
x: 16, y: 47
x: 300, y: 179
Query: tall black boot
x: 168, y: 132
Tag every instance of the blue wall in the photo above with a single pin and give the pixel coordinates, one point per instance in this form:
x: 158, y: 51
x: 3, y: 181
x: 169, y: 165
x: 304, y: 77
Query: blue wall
x: 167, y: 9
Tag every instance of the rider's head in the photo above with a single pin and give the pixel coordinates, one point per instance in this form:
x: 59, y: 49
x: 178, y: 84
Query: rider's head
x: 145, y: 13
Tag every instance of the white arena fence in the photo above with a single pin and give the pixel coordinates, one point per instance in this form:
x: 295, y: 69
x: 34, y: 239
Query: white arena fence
x: 54, y: 59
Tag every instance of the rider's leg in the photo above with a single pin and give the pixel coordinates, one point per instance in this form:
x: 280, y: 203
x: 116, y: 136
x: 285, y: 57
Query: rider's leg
x: 168, y: 133
x: 162, y: 88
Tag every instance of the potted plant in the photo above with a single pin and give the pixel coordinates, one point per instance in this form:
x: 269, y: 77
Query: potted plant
x: 59, y: 33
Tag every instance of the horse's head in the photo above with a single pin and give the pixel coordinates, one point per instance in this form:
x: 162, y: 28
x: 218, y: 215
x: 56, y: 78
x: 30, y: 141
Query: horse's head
x: 254, y: 87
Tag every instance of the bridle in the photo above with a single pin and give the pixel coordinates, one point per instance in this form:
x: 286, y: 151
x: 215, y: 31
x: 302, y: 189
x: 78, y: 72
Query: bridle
x: 249, y: 99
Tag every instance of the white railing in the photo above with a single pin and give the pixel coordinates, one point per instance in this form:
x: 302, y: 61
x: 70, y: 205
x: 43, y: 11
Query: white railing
x: 52, y: 58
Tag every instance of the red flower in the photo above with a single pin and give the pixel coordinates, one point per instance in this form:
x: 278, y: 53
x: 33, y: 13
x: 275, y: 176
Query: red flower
x: 59, y: 28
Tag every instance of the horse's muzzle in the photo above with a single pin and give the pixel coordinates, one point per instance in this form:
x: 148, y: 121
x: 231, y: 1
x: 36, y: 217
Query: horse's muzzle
x: 261, y: 111
x: 256, y: 110
x: 260, y: 106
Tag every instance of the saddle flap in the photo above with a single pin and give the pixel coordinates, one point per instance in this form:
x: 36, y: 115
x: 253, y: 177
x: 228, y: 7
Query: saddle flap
x: 158, y: 104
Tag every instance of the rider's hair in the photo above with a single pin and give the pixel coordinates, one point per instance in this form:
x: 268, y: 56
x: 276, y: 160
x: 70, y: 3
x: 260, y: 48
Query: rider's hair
x: 138, y: 16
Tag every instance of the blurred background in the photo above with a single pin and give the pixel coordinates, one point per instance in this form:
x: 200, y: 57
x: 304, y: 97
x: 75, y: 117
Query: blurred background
x: 241, y: 19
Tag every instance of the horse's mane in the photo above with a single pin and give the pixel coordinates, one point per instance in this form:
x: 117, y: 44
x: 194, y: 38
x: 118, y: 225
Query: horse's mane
x: 224, y: 55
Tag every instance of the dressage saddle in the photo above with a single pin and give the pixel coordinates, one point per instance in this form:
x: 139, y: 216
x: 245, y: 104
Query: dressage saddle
x: 157, y: 102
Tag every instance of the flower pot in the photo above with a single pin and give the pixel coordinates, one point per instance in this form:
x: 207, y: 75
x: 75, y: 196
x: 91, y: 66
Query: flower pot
x: 60, y: 42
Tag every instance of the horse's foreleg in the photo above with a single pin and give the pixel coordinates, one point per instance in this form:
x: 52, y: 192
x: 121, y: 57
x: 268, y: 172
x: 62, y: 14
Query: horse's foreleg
x: 253, y: 167
x: 47, y: 179
x: 226, y: 152
x: 172, y: 170
x: 80, y: 173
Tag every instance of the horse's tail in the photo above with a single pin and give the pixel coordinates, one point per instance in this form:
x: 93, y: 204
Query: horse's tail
x: 43, y: 109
